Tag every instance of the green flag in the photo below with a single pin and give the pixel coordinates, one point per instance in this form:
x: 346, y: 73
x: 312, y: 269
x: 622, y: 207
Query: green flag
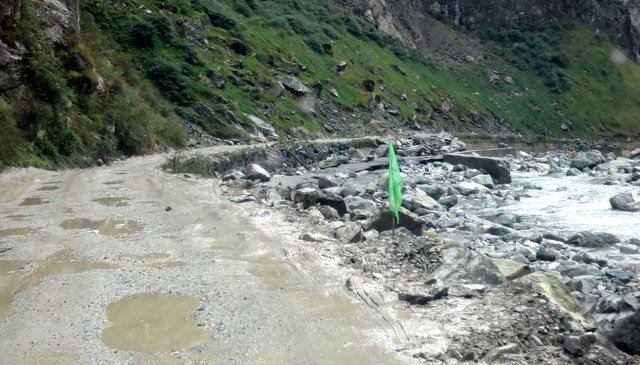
x: 395, y: 183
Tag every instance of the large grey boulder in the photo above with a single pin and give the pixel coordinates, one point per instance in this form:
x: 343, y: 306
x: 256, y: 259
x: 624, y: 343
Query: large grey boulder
x: 461, y: 264
x: 484, y: 180
x: 619, y: 319
x: 587, y: 159
x: 264, y: 127
x: 593, y: 239
x: 257, y: 172
x: 497, y: 168
x: 418, y: 199
x: 625, y: 201
x: 354, y: 203
x: 293, y: 85
x: 381, y: 221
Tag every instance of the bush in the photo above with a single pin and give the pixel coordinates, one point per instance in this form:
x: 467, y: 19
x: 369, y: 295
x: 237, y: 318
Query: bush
x: 353, y: 26
x: 163, y: 27
x: 316, y: 43
x: 46, y: 147
x: 170, y: 81
x: 144, y: 34
x: 220, y: 18
x: 242, y: 8
x: 301, y: 25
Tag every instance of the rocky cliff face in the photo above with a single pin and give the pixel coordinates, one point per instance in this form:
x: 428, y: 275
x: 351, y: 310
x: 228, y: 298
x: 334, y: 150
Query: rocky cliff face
x: 619, y: 20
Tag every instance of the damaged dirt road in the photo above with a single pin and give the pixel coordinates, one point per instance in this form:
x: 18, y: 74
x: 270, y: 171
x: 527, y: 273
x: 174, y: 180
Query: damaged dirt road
x: 128, y: 264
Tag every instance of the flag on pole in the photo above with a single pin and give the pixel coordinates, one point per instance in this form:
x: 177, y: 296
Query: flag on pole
x: 395, y: 183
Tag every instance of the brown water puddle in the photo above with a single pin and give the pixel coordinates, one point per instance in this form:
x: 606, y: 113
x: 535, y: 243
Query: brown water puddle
x: 34, y: 201
x: 153, y: 322
x: 14, y: 280
x: 114, y: 201
x: 15, y: 232
x: 18, y: 217
x: 105, y: 227
x: 49, y: 188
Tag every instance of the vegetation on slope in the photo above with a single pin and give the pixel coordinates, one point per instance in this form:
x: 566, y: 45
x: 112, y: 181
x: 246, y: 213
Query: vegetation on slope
x: 213, y: 62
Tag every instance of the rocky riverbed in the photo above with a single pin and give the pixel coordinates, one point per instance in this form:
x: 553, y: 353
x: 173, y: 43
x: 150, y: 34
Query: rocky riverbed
x: 529, y: 258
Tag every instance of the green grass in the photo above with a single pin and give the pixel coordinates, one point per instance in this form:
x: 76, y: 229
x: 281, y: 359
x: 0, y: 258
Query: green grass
x: 168, y: 63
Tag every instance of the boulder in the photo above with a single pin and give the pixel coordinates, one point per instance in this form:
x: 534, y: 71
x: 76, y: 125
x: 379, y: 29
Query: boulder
x: 257, y: 172
x: 293, y: 85
x: 381, y: 221
x: 626, y: 333
x: 418, y: 200
x: 497, y: 168
x: 351, y: 190
x: 511, y: 269
x: 498, y: 230
x: 351, y: 232
x: 555, y: 292
x: 264, y: 127
x: 467, y: 188
x: 593, y: 239
x: 635, y: 154
x: 327, y: 182
x: 625, y: 201
x: 354, y: 203
x: 587, y: 159
x: 484, y: 180
x: 435, y: 293
x: 235, y: 175
x: 448, y: 201
x: 314, y: 237
x: 463, y: 264
x: 436, y: 192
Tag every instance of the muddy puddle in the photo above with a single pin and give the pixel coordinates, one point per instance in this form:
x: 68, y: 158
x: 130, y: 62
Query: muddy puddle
x: 105, y: 227
x: 15, y: 232
x: 33, y: 201
x: 153, y: 322
x: 114, y: 201
x: 17, y: 276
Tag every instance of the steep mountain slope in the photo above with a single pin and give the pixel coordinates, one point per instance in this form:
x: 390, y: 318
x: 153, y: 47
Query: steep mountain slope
x: 82, y: 81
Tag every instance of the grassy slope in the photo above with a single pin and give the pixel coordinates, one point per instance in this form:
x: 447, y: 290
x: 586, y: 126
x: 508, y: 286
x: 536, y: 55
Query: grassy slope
x: 144, y: 104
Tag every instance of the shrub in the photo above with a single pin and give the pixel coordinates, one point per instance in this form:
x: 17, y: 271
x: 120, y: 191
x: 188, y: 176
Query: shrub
x: 144, y: 34
x: 316, y: 43
x: 46, y: 147
x: 242, y: 8
x: 170, y: 81
x: 220, y: 18
x: 164, y: 28
x: 301, y: 26
x: 353, y: 26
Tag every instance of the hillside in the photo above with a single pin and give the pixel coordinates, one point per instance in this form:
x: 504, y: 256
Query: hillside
x: 87, y: 81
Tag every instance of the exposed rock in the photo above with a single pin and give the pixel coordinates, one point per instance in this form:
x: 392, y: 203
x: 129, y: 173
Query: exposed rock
x: 438, y: 292
x: 5, y: 55
x: 498, y: 230
x: 448, y: 201
x: 511, y: 269
x: 293, y: 85
x: 555, y: 292
x: 499, y: 352
x: 314, y: 237
x: 351, y: 190
x: 351, y: 232
x: 257, y: 172
x: 463, y: 264
x: 587, y: 159
x: 467, y: 188
x: 625, y: 201
x: 484, y: 180
x: 433, y: 191
x: 497, y: 168
x: 595, y: 239
x: 264, y: 127
x: 382, y: 221
x: 327, y: 182
x: 635, y: 154
x: 418, y: 199
x: 235, y: 175
x: 354, y: 203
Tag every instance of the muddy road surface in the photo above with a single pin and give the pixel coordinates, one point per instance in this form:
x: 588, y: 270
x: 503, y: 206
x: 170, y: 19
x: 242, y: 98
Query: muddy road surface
x: 128, y: 264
